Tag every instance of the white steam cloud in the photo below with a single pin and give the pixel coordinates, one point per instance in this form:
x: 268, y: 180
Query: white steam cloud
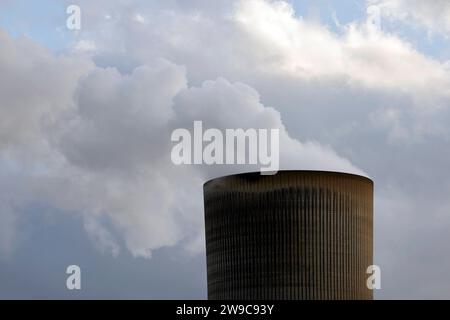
x: 101, y: 145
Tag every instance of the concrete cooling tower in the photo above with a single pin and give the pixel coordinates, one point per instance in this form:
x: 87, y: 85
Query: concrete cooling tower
x: 293, y: 235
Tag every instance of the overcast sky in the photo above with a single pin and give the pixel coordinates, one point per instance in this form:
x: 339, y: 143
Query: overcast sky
x: 86, y: 118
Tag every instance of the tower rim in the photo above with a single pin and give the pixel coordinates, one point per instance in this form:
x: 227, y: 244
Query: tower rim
x: 254, y: 174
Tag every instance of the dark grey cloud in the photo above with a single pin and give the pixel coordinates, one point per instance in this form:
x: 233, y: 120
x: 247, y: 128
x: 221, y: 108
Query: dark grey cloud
x: 37, y: 267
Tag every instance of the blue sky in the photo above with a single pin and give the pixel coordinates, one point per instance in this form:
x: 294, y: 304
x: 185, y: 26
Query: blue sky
x: 43, y: 21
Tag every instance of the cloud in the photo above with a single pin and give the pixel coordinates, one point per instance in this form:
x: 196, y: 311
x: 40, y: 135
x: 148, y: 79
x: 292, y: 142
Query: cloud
x: 433, y: 15
x: 22, y: 113
x: 104, y: 149
x: 280, y: 54
x: 221, y: 104
x: 94, y: 138
x: 119, y: 138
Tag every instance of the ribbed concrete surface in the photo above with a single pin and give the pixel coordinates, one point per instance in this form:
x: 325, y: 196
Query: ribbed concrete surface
x: 294, y: 235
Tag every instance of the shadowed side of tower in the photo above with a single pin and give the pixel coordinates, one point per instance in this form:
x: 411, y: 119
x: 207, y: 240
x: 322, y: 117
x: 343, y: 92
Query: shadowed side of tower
x: 293, y: 235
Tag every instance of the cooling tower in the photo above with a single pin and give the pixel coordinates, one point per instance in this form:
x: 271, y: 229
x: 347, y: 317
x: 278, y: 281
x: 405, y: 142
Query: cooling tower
x: 293, y: 235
